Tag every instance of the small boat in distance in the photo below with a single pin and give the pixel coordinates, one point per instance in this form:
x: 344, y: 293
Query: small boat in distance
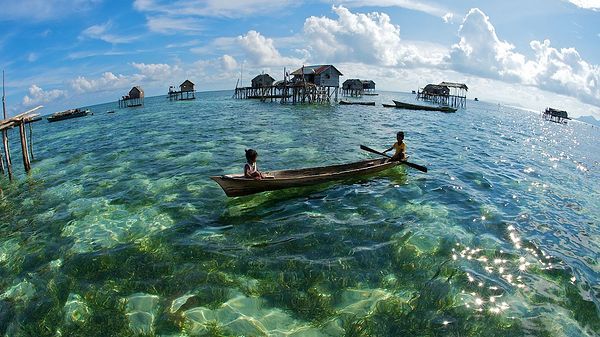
x: 342, y: 102
x: 236, y: 185
x: 110, y: 111
x: 68, y: 114
x: 476, y: 99
x: 414, y: 92
x: 371, y: 94
x: 408, y: 106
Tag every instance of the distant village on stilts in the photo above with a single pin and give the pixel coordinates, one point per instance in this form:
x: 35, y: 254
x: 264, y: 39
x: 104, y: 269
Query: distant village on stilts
x: 314, y: 84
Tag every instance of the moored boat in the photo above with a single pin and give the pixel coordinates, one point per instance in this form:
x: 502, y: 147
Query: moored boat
x: 237, y: 185
x: 408, y: 106
x: 68, y: 114
x: 342, y: 102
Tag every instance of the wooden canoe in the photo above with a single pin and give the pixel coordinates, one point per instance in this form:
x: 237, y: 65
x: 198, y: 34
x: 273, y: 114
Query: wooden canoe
x: 237, y: 185
x: 356, y: 103
x: 408, y: 106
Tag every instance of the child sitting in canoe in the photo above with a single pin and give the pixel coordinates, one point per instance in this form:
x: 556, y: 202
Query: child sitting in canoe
x: 250, y: 169
x: 399, y: 146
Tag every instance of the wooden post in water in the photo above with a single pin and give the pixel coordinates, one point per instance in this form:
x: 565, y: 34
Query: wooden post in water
x: 4, y: 134
x: 7, y: 154
x: 31, y: 140
x: 1, y: 164
x: 23, y: 134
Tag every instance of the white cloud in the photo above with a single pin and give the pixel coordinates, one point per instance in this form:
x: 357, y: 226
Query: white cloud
x: 431, y: 9
x: 40, y: 10
x: 219, y: 8
x: 369, y: 38
x: 587, y: 4
x: 107, y: 82
x: 448, y: 17
x: 37, y: 95
x: 157, y: 72
x: 481, y: 52
x: 102, y: 32
x: 261, y: 51
x: 173, y: 25
x: 228, y: 63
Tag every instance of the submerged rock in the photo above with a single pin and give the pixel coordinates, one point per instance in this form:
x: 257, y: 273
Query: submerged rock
x: 24, y: 291
x: 76, y: 310
x: 141, y: 311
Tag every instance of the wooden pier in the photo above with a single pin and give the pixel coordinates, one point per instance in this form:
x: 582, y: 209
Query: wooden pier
x: 309, y: 85
x: 295, y: 93
x: 18, y: 121
x: 445, y: 93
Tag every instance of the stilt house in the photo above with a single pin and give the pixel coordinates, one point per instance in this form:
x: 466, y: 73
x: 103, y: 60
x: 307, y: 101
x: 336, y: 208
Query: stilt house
x: 135, y: 97
x: 263, y: 80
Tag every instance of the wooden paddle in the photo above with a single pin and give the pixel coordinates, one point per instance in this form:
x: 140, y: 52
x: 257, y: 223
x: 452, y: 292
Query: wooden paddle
x: 415, y: 166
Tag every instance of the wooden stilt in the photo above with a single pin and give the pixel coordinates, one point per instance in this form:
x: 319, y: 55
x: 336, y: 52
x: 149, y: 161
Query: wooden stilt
x: 7, y: 154
x: 2, y: 164
x: 24, y: 149
x: 31, y: 141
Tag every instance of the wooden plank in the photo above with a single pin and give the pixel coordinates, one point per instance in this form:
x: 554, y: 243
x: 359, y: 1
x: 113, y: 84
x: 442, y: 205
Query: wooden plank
x: 17, y: 117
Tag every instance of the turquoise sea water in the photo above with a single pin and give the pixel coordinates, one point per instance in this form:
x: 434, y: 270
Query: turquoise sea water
x: 119, y: 231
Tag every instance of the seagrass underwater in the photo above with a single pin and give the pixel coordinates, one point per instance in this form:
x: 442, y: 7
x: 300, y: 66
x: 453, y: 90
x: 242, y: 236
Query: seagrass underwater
x: 118, y: 230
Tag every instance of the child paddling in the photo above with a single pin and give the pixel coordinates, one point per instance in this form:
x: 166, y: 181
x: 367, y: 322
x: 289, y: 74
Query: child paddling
x: 400, y: 148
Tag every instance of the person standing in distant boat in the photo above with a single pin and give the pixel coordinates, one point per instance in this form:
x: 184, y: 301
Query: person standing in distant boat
x: 399, y: 146
x: 250, y: 169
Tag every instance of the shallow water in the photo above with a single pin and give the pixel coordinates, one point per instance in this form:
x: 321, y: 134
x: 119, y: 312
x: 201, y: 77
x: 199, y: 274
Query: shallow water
x: 119, y: 231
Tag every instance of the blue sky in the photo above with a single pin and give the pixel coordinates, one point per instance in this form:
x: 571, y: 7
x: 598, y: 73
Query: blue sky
x: 66, y: 54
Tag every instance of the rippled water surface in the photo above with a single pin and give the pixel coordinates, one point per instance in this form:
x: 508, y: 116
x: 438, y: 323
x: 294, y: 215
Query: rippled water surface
x: 119, y: 231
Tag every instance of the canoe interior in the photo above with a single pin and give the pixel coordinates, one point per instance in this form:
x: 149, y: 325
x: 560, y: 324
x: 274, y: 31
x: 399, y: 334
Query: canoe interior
x: 238, y: 185
x: 315, y: 171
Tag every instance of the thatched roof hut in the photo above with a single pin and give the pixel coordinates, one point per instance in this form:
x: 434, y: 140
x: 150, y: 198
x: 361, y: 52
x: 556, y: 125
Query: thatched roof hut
x: 352, y: 84
x: 368, y: 85
x: 262, y: 80
x: 435, y: 89
x: 455, y: 85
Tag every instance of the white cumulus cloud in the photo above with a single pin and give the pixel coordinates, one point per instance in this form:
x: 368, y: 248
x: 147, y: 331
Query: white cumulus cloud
x: 228, y: 63
x: 371, y: 38
x: 587, y: 4
x: 37, y: 95
x: 157, y: 71
x: 107, y: 82
x: 480, y: 52
x: 261, y: 51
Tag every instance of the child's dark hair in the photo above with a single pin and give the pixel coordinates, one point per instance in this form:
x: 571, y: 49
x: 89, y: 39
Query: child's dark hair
x: 251, y: 155
x: 400, y: 133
